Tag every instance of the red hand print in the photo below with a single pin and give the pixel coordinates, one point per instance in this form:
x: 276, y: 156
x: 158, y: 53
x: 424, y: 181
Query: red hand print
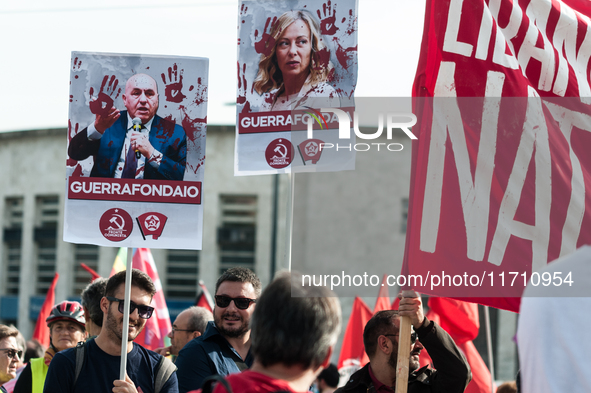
x: 173, y: 88
x: 75, y: 130
x: 265, y: 45
x: 345, y: 57
x: 77, y: 63
x: 351, y: 23
x: 322, y: 59
x: 108, y: 93
x: 241, y: 99
x: 327, y: 23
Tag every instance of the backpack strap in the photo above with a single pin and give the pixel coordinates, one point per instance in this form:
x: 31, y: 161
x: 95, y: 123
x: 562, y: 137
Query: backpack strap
x: 80, y: 352
x: 165, y: 369
x: 207, y: 386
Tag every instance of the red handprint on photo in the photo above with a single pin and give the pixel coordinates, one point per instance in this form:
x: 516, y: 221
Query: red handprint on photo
x: 265, y: 45
x: 173, y: 88
x: 351, y: 23
x: 241, y: 99
x: 346, y: 57
x: 76, y: 65
x: 107, y: 94
x: 327, y: 23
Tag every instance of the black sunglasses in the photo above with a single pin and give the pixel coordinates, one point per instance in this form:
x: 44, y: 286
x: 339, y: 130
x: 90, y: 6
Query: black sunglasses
x: 11, y: 352
x: 242, y: 303
x: 145, y: 312
x: 413, y: 337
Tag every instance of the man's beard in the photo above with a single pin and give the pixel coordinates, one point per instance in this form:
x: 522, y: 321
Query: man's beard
x: 393, y: 361
x: 112, y: 326
x: 234, y: 332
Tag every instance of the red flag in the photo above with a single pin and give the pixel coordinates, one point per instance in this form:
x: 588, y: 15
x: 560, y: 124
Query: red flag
x: 94, y: 274
x: 41, y: 332
x: 204, y: 298
x: 496, y: 180
x: 481, y: 382
x: 460, y: 320
x: 353, y: 354
x: 383, y: 300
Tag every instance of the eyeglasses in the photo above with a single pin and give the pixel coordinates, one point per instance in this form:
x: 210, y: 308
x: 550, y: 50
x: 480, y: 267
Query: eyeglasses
x: 241, y: 303
x: 182, y: 330
x: 11, y: 352
x: 145, y: 312
x: 413, y: 337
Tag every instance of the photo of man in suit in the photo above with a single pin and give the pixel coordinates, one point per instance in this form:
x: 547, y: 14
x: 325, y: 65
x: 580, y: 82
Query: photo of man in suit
x: 156, y: 148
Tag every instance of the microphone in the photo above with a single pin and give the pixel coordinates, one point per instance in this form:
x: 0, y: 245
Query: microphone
x: 137, y: 126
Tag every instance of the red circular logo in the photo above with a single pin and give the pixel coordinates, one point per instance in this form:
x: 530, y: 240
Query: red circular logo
x: 116, y: 225
x: 279, y: 153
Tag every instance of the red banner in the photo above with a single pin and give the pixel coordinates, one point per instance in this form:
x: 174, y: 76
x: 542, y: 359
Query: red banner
x: 498, y: 183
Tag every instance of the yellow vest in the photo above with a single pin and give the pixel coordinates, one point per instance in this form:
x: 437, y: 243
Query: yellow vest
x: 38, y: 374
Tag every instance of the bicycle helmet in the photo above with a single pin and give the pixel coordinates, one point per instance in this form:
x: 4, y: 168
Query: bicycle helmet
x: 67, y: 311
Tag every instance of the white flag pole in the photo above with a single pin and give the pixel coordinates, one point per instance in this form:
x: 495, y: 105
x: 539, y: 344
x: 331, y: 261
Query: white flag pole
x: 125, y: 332
x: 289, y: 220
x: 491, y: 366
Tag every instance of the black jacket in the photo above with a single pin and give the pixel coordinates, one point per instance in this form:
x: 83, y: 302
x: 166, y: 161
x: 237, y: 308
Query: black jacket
x: 452, y: 373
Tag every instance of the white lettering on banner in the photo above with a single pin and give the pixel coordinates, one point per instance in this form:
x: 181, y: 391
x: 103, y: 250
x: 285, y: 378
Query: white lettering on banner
x: 568, y: 119
x: 475, y: 194
x: 535, y: 132
x: 557, y: 50
x: 450, y: 40
x: 538, y: 13
x: 149, y: 190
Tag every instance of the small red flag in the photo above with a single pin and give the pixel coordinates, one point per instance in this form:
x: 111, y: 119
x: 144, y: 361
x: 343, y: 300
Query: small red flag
x: 353, y: 354
x: 94, y: 274
x: 383, y: 300
x: 41, y: 332
x: 204, y: 299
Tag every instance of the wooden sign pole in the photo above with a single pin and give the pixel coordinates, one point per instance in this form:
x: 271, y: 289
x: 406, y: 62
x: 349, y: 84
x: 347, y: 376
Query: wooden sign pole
x: 402, y: 368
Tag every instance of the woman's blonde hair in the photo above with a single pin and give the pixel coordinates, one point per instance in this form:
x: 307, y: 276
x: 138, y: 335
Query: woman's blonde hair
x: 269, y: 76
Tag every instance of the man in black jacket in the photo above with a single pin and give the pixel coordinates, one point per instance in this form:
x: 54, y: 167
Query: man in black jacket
x: 380, y: 338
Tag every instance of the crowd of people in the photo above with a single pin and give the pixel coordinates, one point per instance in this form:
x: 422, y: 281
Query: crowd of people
x: 277, y: 339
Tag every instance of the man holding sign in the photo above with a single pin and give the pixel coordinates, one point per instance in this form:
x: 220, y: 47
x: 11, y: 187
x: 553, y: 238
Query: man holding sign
x: 146, y: 371
x: 135, y: 143
x: 381, y: 337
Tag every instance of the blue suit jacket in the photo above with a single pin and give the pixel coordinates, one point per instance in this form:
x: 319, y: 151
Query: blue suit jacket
x: 165, y: 136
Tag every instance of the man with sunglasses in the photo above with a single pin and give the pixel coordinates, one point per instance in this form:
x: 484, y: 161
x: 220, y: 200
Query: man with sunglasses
x: 10, y: 354
x: 380, y: 338
x: 102, y: 356
x: 224, y: 348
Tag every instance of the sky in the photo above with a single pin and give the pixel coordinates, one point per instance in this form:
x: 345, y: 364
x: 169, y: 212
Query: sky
x: 37, y: 38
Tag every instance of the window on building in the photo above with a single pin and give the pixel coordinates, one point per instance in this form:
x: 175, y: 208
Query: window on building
x: 237, y: 231
x: 89, y: 255
x: 404, y: 215
x: 12, y: 237
x: 46, y: 241
x: 182, y: 274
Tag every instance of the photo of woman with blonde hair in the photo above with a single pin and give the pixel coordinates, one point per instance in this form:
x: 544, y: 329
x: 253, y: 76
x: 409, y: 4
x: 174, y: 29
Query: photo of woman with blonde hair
x: 296, y: 64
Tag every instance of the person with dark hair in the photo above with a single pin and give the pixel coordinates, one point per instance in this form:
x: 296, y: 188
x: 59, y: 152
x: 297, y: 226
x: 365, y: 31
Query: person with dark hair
x: 66, y: 329
x: 189, y: 324
x: 34, y: 349
x: 294, y: 330
x: 91, y: 302
x: 380, y: 338
x: 224, y: 348
x: 328, y: 379
x: 9, y: 354
x: 99, y: 370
